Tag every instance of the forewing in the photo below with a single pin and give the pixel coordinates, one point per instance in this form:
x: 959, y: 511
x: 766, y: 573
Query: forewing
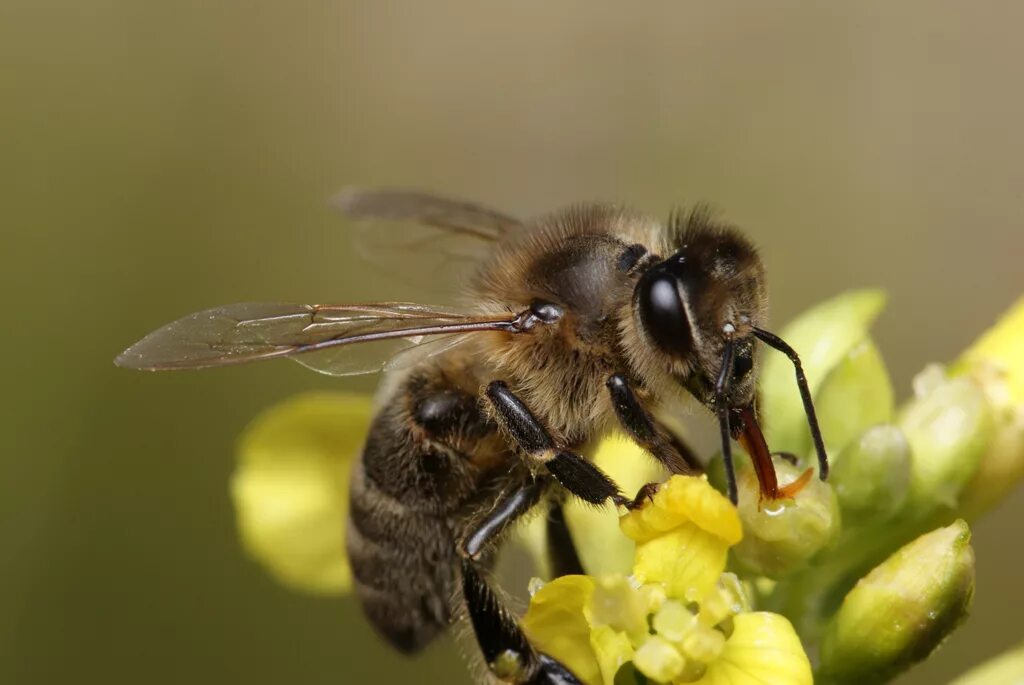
x: 431, y: 242
x: 331, y: 339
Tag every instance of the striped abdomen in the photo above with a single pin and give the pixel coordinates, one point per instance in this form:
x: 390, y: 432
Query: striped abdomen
x: 415, y: 482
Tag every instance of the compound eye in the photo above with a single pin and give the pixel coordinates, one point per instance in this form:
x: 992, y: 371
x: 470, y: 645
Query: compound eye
x: 662, y: 314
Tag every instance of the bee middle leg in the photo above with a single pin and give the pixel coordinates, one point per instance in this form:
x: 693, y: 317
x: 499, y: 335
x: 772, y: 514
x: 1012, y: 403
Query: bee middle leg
x: 577, y: 475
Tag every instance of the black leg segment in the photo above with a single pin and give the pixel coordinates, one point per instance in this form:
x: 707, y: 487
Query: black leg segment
x: 653, y: 437
x: 583, y: 479
x: 573, y: 472
x: 509, y: 508
x: 527, y: 432
x: 497, y: 631
x: 779, y: 344
x: 565, y: 560
x: 504, y: 646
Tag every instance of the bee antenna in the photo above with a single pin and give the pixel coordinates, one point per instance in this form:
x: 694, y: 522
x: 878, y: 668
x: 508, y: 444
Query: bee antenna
x: 722, y: 409
x: 779, y: 344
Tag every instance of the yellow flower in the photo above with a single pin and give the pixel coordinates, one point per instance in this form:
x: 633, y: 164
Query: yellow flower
x: 290, y: 488
x: 679, y: 618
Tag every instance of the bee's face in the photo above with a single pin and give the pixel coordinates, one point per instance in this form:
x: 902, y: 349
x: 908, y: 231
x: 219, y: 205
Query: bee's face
x: 691, y: 304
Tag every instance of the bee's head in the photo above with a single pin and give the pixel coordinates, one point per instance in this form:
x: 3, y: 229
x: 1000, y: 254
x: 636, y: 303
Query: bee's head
x: 707, y: 296
x: 696, y: 316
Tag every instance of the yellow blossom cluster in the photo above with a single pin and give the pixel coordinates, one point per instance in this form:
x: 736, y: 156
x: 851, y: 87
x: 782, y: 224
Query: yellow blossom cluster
x: 679, y: 618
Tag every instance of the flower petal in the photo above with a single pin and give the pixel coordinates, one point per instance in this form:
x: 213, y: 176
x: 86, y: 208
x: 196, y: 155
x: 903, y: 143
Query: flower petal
x: 682, y: 500
x: 688, y: 561
x: 612, y: 649
x: 556, y: 625
x: 762, y: 650
x: 290, y: 488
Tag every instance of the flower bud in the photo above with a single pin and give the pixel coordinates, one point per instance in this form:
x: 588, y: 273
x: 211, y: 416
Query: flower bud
x: 855, y: 395
x: 782, y: 536
x: 871, y: 476
x: 823, y: 336
x: 897, y: 614
x: 1002, y: 466
x: 1000, y: 348
x: 996, y: 363
x: 949, y: 426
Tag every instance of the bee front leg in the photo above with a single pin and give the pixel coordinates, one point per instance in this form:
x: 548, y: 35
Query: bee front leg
x: 647, y: 432
x: 573, y: 472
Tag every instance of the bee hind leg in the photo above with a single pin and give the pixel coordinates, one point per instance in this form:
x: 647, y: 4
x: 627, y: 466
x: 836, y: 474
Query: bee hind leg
x: 565, y: 560
x: 505, y: 648
x: 507, y: 510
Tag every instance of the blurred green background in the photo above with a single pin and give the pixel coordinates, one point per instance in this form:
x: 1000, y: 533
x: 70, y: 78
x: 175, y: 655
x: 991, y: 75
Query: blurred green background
x: 161, y: 157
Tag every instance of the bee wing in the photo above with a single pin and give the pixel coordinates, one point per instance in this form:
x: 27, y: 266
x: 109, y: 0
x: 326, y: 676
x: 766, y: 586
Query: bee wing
x: 427, y: 241
x: 334, y: 339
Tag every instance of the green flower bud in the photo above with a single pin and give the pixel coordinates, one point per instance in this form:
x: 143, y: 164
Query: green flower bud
x: 871, y: 476
x: 949, y: 426
x: 782, y: 536
x: 897, y: 614
x: 822, y: 336
x: 996, y: 363
x: 1002, y: 466
x: 1005, y: 669
x: 855, y: 395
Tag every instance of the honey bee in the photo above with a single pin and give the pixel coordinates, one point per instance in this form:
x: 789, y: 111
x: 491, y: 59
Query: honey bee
x: 572, y: 325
